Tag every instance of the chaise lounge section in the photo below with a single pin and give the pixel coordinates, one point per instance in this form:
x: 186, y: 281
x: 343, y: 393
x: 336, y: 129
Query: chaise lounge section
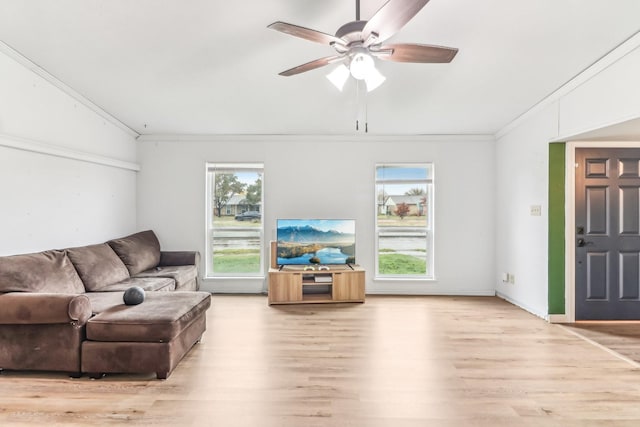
x: 150, y: 337
x: 63, y: 310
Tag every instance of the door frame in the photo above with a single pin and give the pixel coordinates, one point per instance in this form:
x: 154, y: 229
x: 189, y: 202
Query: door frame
x: 570, y: 220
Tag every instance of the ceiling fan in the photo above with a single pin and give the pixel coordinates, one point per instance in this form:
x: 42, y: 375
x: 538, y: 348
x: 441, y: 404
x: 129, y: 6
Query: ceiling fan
x: 357, y: 42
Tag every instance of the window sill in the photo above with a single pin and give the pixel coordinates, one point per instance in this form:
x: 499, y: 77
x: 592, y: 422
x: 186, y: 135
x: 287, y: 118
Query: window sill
x: 234, y: 277
x: 403, y: 279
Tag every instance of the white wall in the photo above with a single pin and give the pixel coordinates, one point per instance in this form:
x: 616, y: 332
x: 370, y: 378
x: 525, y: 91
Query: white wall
x: 602, y: 96
x: 611, y: 96
x: 330, y: 177
x: 67, y: 175
x: 522, y: 239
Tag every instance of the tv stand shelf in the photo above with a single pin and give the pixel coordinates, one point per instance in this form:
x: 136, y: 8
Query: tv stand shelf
x: 295, y: 285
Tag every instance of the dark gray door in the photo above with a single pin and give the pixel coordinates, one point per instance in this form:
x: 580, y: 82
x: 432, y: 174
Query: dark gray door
x: 607, y: 234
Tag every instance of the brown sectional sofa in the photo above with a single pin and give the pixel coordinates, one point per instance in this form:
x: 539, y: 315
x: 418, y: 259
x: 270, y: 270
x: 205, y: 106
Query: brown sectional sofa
x: 63, y: 310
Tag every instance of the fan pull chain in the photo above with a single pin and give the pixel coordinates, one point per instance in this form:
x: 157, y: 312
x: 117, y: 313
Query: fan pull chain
x: 357, y: 104
x: 366, y: 114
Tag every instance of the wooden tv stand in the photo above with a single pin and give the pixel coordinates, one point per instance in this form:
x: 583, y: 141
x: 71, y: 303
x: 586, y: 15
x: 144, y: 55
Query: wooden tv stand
x: 295, y: 285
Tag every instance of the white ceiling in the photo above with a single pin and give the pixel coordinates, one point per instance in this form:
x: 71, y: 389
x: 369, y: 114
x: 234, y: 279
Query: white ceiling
x: 211, y: 66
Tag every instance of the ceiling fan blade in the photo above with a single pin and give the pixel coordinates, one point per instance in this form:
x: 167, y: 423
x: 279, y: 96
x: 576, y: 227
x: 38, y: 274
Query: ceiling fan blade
x: 305, y: 33
x: 389, y: 19
x: 311, y: 65
x: 409, y: 52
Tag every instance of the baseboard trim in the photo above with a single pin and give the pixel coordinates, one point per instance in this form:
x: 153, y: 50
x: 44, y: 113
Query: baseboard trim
x: 522, y: 306
x: 558, y: 318
x: 404, y: 291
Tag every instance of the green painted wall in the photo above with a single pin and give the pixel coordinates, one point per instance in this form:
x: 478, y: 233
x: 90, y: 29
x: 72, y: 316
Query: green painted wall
x: 556, y: 267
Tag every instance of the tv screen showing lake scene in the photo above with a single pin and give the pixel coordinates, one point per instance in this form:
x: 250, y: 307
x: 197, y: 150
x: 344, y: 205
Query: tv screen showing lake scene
x: 316, y: 241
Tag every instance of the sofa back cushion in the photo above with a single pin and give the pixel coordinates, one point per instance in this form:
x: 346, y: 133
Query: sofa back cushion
x: 139, y: 252
x: 48, y: 271
x: 98, y: 266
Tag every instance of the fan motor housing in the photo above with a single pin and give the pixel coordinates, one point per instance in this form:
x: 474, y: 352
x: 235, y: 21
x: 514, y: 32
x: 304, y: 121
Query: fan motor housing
x: 351, y: 31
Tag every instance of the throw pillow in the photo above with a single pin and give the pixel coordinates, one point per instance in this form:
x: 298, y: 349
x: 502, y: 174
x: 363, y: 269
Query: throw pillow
x: 98, y: 266
x: 139, y: 252
x: 48, y: 271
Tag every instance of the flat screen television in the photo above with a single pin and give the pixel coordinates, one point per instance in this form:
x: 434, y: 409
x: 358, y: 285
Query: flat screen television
x: 316, y: 241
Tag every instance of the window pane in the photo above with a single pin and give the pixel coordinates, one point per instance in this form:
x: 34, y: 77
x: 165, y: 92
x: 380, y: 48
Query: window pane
x: 236, y: 250
x: 402, y: 172
x: 237, y: 197
x: 402, y: 252
x: 402, y: 205
x: 404, y: 199
x: 235, y: 220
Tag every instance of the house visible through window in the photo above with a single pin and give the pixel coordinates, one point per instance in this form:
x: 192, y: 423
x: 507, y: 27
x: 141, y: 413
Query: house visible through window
x: 404, y: 221
x: 235, y: 231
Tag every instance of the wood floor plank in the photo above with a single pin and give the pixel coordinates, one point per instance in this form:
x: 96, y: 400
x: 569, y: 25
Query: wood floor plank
x: 393, y: 361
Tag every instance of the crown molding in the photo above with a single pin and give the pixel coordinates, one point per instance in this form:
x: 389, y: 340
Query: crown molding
x: 41, y: 72
x: 314, y: 138
x: 613, y: 56
x: 49, y: 149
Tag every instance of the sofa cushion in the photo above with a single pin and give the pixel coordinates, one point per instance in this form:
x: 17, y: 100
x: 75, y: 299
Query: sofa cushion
x: 139, y: 252
x: 146, y: 283
x: 160, y: 318
x: 182, y: 274
x: 112, y: 295
x: 98, y: 266
x: 101, y: 301
x: 48, y: 271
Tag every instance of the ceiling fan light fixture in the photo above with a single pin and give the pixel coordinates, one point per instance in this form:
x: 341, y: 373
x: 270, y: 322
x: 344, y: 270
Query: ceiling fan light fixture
x: 361, y: 65
x: 374, y: 79
x: 339, y: 76
x: 358, y: 42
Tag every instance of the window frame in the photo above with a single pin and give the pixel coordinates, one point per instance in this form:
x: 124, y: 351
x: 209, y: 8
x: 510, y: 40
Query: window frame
x: 210, y: 171
x: 428, y: 229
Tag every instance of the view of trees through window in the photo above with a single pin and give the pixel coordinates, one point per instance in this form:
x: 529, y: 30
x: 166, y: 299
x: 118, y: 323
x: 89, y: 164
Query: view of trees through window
x: 235, y: 223
x: 403, y: 220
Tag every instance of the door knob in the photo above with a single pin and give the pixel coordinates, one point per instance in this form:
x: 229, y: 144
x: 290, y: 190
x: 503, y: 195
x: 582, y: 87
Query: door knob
x: 582, y: 242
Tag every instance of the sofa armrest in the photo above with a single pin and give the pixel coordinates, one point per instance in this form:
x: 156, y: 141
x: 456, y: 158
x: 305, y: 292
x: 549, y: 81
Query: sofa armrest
x: 168, y: 258
x: 179, y: 258
x: 24, y: 308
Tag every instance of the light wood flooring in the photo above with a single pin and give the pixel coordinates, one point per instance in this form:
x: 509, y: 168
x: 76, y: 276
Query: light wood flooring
x: 621, y: 338
x: 392, y: 361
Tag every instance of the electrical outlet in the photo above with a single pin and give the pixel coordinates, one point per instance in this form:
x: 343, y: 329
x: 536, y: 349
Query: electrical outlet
x: 512, y: 279
x: 505, y: 277
x: 535, y: 210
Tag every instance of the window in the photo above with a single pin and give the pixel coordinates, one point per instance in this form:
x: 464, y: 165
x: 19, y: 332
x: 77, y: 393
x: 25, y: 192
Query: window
x: 404, y: 221
x: 235, y: 231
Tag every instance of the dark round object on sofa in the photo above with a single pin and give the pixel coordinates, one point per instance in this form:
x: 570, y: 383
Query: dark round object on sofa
x: 133, y: 296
